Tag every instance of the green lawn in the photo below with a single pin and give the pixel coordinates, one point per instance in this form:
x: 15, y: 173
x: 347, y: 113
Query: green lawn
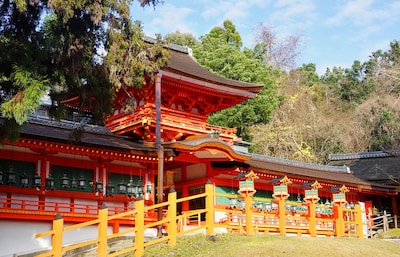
x: 235, y: 245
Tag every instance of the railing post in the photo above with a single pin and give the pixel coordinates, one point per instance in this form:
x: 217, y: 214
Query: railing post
x: 210, y: 209
x: 339, y: 221
x: 359, y: 222
x: 102, y: 231
x: 312, y: 222
x: 56, y: 241
x: 139, y: 225
x: 385, y: 222
x: 248, y: 203
x: 282, y: 216
x: 172, y: 228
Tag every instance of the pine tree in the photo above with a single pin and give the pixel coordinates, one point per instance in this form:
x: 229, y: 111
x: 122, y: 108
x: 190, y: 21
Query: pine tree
x: 79, y: 48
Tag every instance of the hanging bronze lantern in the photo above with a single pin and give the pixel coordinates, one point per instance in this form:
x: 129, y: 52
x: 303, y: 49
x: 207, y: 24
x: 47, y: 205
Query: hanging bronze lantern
x: 149, y: 187
x: 23, y: 181
x: 74, y: 183
x: 110, y: 190
x: 140, y: 188
x: 64, y: 181
x: 99, y: 187
x: 82, y: 182
x: 131, y: 190
x: 1, y: 178
x: 49, y: 183
x: 37, y: 181
x: 122, y: 190
x: 11, y: 176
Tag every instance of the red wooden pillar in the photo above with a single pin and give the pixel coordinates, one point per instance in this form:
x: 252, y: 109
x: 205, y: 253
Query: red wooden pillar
x: 185, y: 204
x: 185, y: 189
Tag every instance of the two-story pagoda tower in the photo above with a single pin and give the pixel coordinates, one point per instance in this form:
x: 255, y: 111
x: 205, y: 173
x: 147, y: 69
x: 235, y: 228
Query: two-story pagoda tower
x: 188, y: 94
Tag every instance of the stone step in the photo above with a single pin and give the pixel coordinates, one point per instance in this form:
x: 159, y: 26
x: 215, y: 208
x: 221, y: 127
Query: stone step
x: 113, y: 246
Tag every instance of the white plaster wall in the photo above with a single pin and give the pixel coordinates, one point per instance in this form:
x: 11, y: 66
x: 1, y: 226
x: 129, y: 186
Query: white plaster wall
x: 63, y: 203
x: 82, y: 203
x: 31, y: 201
x: 18, y: 237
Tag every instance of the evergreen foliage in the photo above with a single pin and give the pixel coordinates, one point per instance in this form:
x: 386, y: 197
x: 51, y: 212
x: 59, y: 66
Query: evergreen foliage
x: 220, y: 52
x: 89, y: 49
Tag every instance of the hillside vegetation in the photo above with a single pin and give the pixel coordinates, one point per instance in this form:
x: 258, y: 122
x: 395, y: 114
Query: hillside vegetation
x: 300, y: 115
x: 347, y: 110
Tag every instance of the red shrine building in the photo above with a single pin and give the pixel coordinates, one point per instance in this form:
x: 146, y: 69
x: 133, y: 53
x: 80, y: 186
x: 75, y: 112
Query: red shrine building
x: 73, y: 167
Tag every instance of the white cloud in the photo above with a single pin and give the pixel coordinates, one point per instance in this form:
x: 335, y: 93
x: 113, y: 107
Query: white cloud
x: 169, y: 18
x: 290, y: 8
x: 292, y: 17
x: 358, y: 13
x: 364, y: 33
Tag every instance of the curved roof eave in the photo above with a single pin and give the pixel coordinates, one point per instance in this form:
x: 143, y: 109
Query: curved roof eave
x: 185, y: 64
x: 202, y: 143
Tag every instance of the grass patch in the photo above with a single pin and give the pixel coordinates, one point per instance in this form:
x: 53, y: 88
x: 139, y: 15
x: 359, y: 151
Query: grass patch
x: 395, y: 232
x: 233, y: 245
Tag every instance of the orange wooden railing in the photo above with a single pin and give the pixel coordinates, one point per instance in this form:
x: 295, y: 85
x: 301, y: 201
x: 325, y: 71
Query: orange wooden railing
x: 338, y: 222
x: 46, y: 210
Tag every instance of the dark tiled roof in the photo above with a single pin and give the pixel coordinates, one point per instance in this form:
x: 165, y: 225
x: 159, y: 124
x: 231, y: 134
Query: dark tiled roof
x: 182, y: 62
x: 63, y: 132
x: 185, y: 64
x: 362, y: 155
x: 338, y: 174
x: 373, y: 166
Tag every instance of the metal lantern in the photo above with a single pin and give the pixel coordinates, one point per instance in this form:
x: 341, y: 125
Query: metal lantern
x: 82, y: 182
x: 131, y: 190
x: 149, y: 187
x: 91, y: 184
x: 140, y: 188
x: 49, y: 183
x: 259, y: 206
x: 281, y: 187
x: 1, y: 178
x: 64, y: 181
x: 24, y: 181
x: 327, y: 202
x: 122, y: 190
x: 246, y: 183
x: 74, y: 183
x: 268, y: 207
x: 110, y: 190
x: 232, y: 203
x: 99, y: 187
x: 37, y: 181
x: 311, y: 191
x: 11, y: 176
x: 339, y: 194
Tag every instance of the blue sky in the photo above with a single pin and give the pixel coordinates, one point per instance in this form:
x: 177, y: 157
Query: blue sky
x: 335, y: 32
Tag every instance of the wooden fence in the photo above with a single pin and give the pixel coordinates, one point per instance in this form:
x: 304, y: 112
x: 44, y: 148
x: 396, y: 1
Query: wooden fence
x: 282, y: 218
